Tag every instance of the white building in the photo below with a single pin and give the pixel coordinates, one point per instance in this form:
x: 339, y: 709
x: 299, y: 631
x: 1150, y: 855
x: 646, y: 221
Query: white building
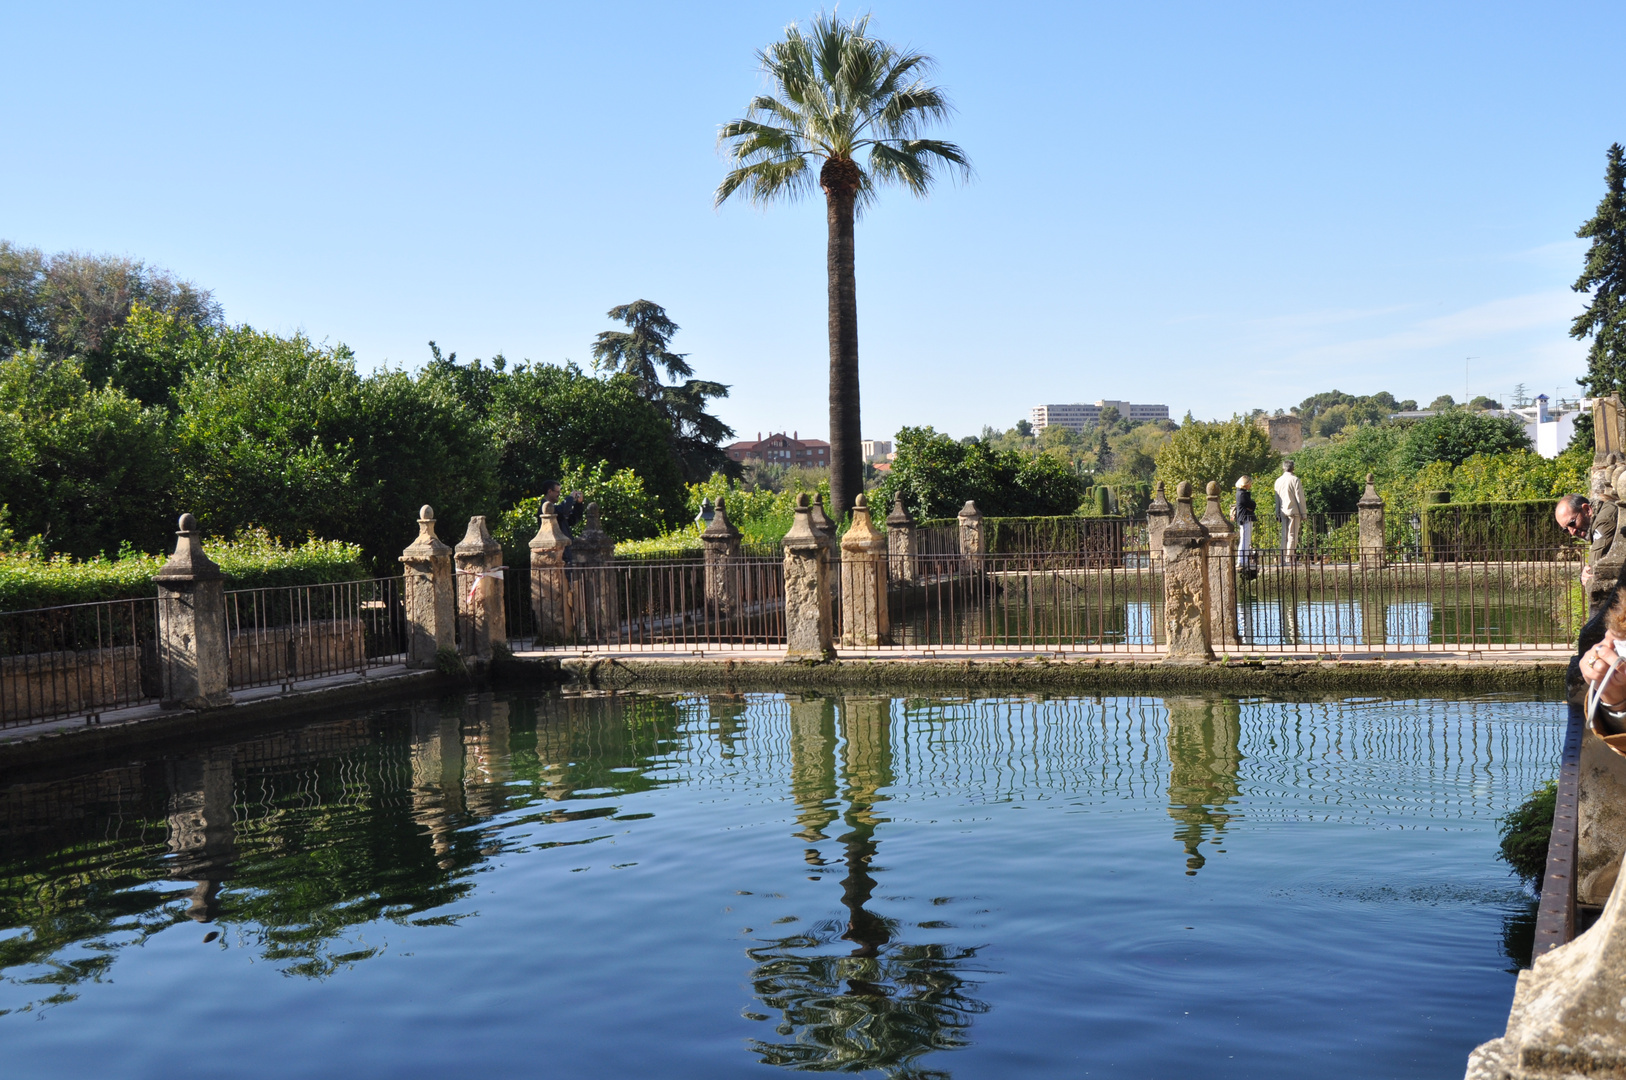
x: 1078, y: 416
x: 1550, y: 429
x: 876, y: 448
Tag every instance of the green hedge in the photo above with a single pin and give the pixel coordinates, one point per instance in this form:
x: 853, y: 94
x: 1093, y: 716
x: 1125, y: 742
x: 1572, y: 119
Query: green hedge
x: 253, y: 560
x: 1008, y: 535
x: 1523, y: 528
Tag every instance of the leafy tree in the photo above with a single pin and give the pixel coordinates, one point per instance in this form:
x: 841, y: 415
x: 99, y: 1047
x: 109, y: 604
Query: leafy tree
x: 1456, y: 435
x: 1482, y: 402
x: 1443, y: 402
x: 1024, y: 428
x: 72, y: 304
x: 839, y: 95
x: 84, y: 468
x: 1604, y: 277
x: 1221, y: 451
x: 627, y: 510
x: 936, y: 475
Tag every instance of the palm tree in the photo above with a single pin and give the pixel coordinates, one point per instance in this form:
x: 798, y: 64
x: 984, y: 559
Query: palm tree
x: 839, y: 94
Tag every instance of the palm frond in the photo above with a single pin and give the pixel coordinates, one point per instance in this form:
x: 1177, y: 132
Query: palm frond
x: 767, y: 181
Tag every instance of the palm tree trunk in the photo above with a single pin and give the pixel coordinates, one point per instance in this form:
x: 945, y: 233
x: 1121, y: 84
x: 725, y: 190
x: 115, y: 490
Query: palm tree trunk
x: 840, y: 182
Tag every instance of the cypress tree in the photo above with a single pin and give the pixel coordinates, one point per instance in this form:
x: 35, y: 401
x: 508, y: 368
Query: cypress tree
x: 1604, y: 319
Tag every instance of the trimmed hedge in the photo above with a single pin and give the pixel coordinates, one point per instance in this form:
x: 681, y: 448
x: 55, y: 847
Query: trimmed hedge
x: 254, y: 560
x: 1521, y: 527
x: 1008, y: 535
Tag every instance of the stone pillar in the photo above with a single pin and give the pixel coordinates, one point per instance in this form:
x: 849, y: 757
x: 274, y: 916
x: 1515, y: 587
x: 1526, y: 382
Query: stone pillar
x: 722, y: 546
x: 822, y: 525
x: 900, y: 543
x: 430, y: 594
x: 1185, y: 583
x: 1566, y: 1020
x: 1158, y: 514
x: 825, y: 530
x: 594, y: 594
x: 865, y: 619
x: 973, y: 544
x: 194, y: 653
x: 550, y: 592
x: 807, y: 590
x: 480, y: 591
x: 1221, y: 560
x: 1370, y: 512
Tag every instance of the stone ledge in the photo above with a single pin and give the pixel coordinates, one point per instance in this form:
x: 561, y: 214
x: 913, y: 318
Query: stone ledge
x: 1093, y: 674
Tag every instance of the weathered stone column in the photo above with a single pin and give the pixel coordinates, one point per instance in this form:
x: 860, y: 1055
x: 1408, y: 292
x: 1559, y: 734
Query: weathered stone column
x: 722, y: 546
x: 825, y: 530
x: 429, y: 594
x: 1221, y: 561
x: 807, y: 589
x: 865, y: 619
x: 194, y: 653
x: 1185, y: 583
x: 594, y: 595
x: 973, y: 544
x: 550, y: 591
x: 900, y: 542
x: 1370, y: 513
x: 1158, y: 514
x: 480, y: 591
x: 1566, y: 1021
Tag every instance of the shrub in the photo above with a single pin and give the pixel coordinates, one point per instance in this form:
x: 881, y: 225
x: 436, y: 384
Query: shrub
x: 253, y: 560
x: 1458, y: 435
x: 1525, y: 832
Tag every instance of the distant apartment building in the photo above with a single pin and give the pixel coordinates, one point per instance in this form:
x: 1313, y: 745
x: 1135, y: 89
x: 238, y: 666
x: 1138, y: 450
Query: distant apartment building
x: 1079, y: 416
x: 782, y: 449
x: 876, y: 448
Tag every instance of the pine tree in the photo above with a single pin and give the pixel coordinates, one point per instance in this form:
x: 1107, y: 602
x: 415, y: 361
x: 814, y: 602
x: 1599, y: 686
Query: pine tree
x: 1604, y: 319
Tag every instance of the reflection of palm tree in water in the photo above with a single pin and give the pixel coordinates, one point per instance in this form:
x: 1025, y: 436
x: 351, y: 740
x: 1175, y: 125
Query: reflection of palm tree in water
x: 1204, y: 760
x: 885, y: 1003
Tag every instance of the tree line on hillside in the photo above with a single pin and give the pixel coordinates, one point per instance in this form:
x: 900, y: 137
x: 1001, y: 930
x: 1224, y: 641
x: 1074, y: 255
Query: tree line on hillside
x: 126, y: 398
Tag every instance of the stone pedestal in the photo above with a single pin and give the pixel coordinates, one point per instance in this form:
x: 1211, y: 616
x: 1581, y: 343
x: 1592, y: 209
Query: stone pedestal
x: 550, y: 591
x: 825, y: 530
x: 973, y: 542
x: 865, y: 620
x: 194, y: 653
x: 480, y: 591
x: 722, y: 547
x: 1158, y: 515
x: 1567, y: 1020
x: 1370, y: 515
x: 901, y: 543
x: 807, y: 590
x: 1185, y: 584
x: 1221, y: 561
x: 594, y: 594
x: 429, y: 594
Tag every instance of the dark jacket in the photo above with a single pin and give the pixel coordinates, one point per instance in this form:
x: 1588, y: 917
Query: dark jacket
x: 1605, y: 514
x: 570, y: 511
x: 1246, y: 509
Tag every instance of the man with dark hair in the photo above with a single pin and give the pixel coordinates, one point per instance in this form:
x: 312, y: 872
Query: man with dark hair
x: 569, y: 511
x: 1577, y: 516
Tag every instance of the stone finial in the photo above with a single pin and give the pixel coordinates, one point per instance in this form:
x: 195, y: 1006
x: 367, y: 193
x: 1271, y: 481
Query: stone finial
x: 821, y: 521
x: 1213, y: 519
x: 1185, y: 525
x: 1370, y: 498
x: 969, y: 510
x: 478, y: 539
x: 427, y: 545
x: 1160, y: 502
x: 899, y: 517
x: 594, y: 542
x: 189, y: 563
x: 720, y: 527
x: 550, y: 535
x: 802, y: 534
x: 862, y: 535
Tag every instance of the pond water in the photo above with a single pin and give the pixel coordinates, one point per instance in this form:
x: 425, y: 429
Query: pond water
x: 535, y: 885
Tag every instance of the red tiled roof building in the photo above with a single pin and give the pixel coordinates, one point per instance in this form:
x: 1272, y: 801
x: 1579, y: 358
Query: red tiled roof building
x: 782, y: 449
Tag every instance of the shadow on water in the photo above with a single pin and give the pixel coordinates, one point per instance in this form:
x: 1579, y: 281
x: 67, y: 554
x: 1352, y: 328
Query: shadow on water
x: 886, y: 1002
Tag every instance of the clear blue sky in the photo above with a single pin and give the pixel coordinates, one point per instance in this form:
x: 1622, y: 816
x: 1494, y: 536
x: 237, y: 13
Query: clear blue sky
x: 1213, y: 206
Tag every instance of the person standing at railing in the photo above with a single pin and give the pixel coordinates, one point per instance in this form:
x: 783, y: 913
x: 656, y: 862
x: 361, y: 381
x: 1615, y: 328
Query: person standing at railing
x: 569, y: 510
x: 1577, y: 516
x: 1244, y: 512
x: 1290, y: 504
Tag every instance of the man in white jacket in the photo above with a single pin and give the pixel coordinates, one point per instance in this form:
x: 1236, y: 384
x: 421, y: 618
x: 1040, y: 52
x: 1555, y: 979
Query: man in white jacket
x: 1290, y: 501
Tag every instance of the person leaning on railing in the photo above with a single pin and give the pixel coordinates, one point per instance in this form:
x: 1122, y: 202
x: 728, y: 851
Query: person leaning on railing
x: 1603, y: 668
x: 569, y: 511
x: 1577, y: 516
